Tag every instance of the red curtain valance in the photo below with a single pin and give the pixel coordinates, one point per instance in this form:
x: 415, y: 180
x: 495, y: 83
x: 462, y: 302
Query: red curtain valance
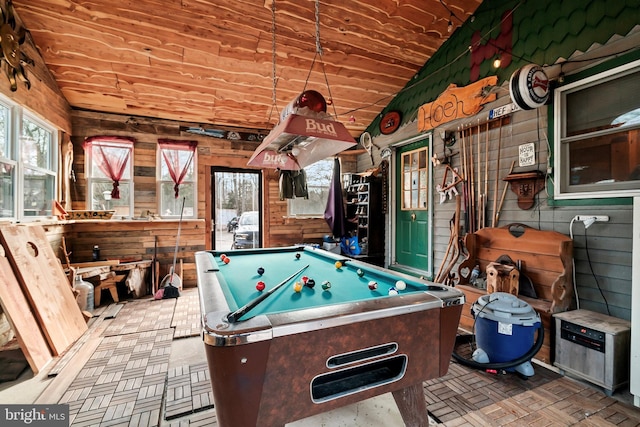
x: 112, y: 163
x: 178, y: 167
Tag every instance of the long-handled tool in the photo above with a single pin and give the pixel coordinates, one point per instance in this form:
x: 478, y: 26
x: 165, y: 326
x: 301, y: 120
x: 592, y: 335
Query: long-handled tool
x: 495, y: 188
x: 172, y: 279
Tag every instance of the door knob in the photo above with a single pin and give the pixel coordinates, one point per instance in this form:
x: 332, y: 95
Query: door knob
x: 413, y: 216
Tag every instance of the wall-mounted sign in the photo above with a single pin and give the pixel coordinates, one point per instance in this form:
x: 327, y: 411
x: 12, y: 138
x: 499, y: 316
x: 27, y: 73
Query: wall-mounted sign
x: 390, y: 122
x: 503, y: 111
x: 529, y: 87
x: 455, y: 103
x: 527, y: 154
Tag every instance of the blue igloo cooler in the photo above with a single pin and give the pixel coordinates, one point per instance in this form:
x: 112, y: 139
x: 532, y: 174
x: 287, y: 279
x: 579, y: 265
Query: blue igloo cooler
x: 505, y: 328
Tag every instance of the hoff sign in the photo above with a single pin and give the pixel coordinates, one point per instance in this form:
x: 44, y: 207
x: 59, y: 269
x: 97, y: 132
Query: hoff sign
x: 455, y: 103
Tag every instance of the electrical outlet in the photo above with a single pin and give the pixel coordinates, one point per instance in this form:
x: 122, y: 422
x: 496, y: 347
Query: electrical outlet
x: 598, y: 218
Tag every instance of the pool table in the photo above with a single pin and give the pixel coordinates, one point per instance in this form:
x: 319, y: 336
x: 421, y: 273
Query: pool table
x: 300, y: 353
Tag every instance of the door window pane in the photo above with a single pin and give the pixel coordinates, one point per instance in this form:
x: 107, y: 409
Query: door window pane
x: 415, y: 180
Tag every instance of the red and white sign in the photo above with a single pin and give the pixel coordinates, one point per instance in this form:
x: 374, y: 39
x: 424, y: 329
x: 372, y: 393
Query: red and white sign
x: 314, y: 138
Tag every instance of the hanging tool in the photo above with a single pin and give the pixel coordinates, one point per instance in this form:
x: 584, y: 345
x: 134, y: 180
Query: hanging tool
x: 504, y: 193
x: 495, y: 188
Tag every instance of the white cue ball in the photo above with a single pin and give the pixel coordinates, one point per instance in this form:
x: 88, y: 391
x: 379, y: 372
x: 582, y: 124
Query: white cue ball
x: 400, y: 285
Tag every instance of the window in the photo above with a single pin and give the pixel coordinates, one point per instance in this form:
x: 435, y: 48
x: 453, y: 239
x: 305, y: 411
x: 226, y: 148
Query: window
x: 38, y: 173
x: 177, y: 178
x: 415, y: 179
x: 597, y: 135
x: 109, y: 171
x: 28, y: 161
x: 318, y: 177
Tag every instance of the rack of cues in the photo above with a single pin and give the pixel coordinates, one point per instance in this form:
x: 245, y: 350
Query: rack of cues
x: 475, y: 144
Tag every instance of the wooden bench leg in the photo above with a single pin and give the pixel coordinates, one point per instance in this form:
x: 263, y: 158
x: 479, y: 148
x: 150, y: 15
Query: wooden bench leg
x: 114, y: 293
x: 97, y: 295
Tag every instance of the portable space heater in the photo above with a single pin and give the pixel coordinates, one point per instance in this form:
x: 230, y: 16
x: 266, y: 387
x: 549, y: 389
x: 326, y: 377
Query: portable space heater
x: 594, y: 347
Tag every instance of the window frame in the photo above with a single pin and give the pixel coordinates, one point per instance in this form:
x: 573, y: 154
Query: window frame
x: 160, y: 181
x: 421, y: 172
x: 15, y: 118
x: 124, y: 141
x: 562, y: 185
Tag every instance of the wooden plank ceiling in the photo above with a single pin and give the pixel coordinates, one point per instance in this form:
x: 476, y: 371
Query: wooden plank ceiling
x: 211, y: 61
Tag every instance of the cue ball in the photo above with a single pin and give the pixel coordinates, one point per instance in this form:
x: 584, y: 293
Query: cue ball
x: 393, y: 291
x: 326, y: 285
x: 260, y: 286
x: 310, y: 283
x: 373, y: 285
x: 260, y: 271
x: 297, y: 287
x: 360, y: 272
x: 297, y: 256
x: 338, y: 265
x: 401, y: 285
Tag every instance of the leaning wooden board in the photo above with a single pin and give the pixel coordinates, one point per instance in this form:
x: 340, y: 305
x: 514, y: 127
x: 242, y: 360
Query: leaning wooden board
x: 44, y: 284
x: 15, y: 305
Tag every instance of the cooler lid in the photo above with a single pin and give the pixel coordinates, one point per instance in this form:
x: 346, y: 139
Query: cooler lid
x: 506, y: 308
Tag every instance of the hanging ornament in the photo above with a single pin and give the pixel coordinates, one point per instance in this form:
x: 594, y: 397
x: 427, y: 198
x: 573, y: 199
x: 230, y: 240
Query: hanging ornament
x: 11, y: 38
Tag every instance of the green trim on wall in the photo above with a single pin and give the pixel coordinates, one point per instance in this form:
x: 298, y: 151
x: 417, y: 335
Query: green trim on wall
x: 543, y: 31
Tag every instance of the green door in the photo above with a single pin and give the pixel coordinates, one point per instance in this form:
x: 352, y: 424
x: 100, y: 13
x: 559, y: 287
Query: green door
x: 412, y: 235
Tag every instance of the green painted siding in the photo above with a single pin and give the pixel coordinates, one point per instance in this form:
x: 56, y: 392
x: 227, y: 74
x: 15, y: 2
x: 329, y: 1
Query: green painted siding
x: 543, y: 32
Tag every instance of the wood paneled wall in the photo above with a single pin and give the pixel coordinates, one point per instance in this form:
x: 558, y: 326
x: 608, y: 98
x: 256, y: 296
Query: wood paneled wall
x: 122, y: 238
x: 127, y: 239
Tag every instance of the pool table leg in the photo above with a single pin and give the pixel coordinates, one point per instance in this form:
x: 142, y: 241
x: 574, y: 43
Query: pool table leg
x: 413, y: 407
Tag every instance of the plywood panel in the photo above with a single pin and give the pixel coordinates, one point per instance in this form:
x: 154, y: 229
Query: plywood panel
x: 24, y: 324
x: 44, y: 284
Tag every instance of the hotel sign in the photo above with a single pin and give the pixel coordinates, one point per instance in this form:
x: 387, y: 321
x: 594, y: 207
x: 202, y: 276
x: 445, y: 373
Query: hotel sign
x: 456, y: 103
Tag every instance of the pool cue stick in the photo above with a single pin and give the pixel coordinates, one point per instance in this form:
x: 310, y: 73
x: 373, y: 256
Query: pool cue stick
x: 472, y: 216
x: 235, y: 315
x: 465, y: 193
x: 504, y: 193
x: 486, y: 176
x: 495, y: 188
x: 479, y: 208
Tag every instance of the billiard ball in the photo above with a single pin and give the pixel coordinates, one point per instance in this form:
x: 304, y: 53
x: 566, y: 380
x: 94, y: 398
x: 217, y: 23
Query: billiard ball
x: 260, y: 271
x: 297, y: 256
x: 401, y: 285
x: 222, y: 257
x: 227, y: 260
x: 297, y: 287
x: 260, y: 286
x: 310, y: 283
x: 326, y: 285
x: 360, y: 272
x: 304, y: 279
x: 373, y: 285
x: 393, y: 291
x: 338, y: 265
